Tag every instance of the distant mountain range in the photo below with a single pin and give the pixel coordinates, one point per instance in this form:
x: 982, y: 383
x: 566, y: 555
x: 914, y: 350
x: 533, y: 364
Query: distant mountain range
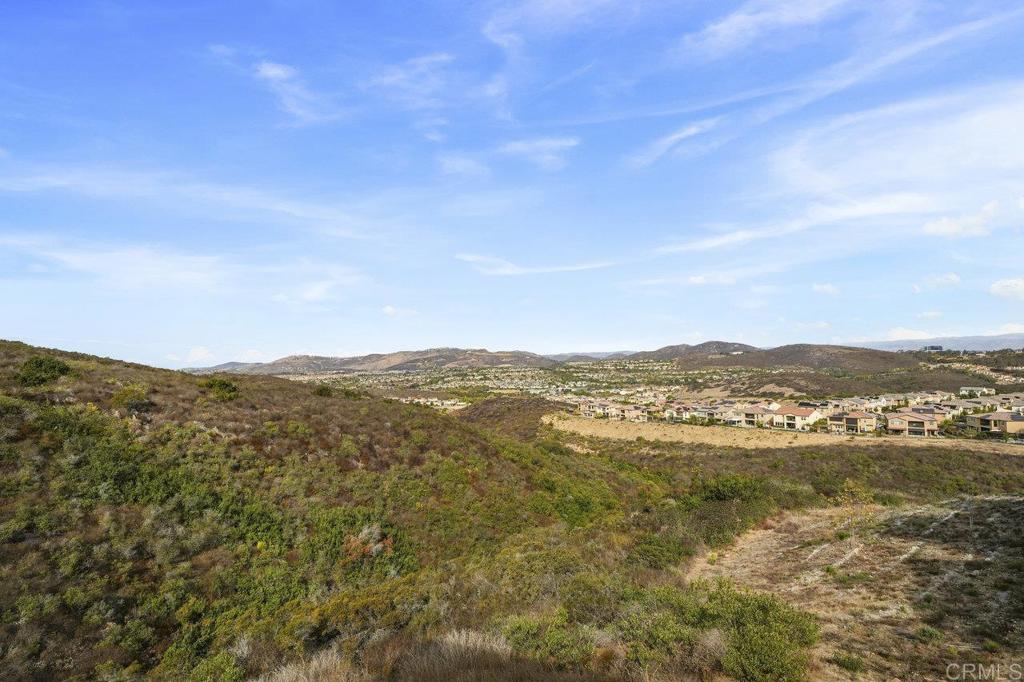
x: 863, y: 357
x: 432, y: 358
x: 979, y: 343
x: 590, y: 356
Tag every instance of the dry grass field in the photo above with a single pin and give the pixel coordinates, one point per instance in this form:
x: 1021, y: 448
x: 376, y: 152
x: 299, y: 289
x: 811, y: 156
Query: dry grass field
x: 754, y: 439
x: 899, y: 594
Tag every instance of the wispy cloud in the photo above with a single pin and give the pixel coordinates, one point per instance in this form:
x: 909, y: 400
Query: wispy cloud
x: 756, y: 19
x: 663, y: 145
x: 489, y: 265
x: 945, y: 281
x: 293, y: 96
x: 547, y: 153
x: 177, y: 190
x: 452, y: 163
x: 967, y: 225
x: 159, y: 270
x: 907, y: 334
x: 1009, y: 288
x: 826, y: 288
x: 418, y: 83
x: 929, y: 315
x: 816, y: 216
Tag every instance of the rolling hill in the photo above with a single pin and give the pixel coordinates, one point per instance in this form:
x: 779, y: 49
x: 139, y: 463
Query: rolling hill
x: 810, y: 356
x: 433, y: 358
x: 160, y: 525
x: 976, y: 343
x: 698, y: 351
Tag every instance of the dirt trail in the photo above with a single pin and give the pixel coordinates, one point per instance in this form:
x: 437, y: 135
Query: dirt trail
x: 907, y: 592
x: 754, y: 439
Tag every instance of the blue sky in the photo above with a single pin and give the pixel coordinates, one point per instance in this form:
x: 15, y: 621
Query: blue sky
x: 190, y: 182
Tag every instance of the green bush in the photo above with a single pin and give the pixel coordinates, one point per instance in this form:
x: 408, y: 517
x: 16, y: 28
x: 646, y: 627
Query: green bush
x: 134, y: 397
x: 592, y: 597
x: 41, y: 369
x: 850, y: 662
x: 658, y: 550
x: 552, y: 639
x: 221, y: 389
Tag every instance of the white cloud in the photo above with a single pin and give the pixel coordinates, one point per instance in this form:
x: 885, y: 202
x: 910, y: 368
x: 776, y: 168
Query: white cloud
x: 1009, y: 288
x: 905, y: 334
x: 199, y: 354
x: 232, y: 201
x: 814, y: 325
x: 950, y: 279
x: 968, y: 225
x: 826, y: 288
x: 663, y: 145
x: 816, y: 215
x: 139, y: 268
x: 929, y: 315
x: 461, y: 164
x: 293, y: 96
x: 395, y: 312
x: 419, y: 83
x: 489, y: 265
x: 948, y: 147
x: 545, y: 152
x: 1009, y: 328
x: 755, y: 19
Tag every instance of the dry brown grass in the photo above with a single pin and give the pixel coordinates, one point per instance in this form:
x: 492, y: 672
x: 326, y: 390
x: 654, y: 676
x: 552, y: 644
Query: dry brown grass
x: 909, y: 592
x: 457, y: 656
x: 754, y: 439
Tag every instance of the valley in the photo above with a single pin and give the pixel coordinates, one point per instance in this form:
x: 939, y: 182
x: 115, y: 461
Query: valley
x: 164, y: 525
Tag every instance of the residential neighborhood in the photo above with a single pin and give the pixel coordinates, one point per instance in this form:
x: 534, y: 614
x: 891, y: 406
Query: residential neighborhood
x: 916, y: 414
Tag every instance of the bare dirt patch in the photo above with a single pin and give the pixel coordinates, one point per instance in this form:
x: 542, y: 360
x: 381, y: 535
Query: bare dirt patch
x: 754, y: 439
x: 900, y: 594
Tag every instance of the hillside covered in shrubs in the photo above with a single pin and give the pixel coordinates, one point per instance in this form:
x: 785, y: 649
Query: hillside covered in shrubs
x: 159, y: 525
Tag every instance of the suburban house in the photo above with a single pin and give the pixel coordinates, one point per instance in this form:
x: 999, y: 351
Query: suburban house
x: 796, y: 418
x: 636, y: 413
x: 997, y: 422
x: 852, y: 422
x: 757, y: 415
x: 976, y: 391
x: 912, y: 424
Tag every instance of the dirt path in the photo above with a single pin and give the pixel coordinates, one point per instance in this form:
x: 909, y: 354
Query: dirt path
x: 902, y: 593
x: 735, y: 437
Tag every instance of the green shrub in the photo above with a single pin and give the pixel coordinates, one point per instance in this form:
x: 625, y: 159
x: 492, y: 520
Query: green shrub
x: 221, y: 389
x: 850, y: 662
x: 41, y: 369
x: 134, y: 397
x: 658, y: 550
x: 551, y: 639
x: 768, y: 639
x: 323, y: 390
x: 219, y: 668
x: 730, y: 487
x: 652, y: 636
x: 592, y: 597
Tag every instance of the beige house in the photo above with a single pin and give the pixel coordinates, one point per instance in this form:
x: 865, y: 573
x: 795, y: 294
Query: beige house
x: 757, y: 415
x: 997, y: 422
x: 912, y: 424
x: 795, y: 418
x: 852, y: 422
